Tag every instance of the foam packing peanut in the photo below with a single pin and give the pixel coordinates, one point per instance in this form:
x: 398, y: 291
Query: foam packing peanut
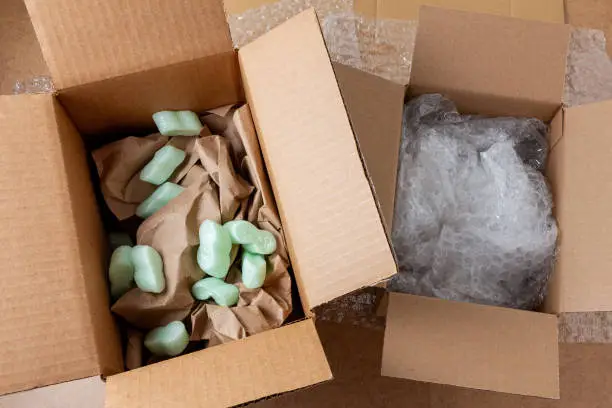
x: 121, y: 271
x: 214, y: 252
x: 148, y: 269
x: 224, y: 294
x: 164, y: 163
x: 178, y: 123
x: 160, y: 197
x: 253, y: 270
x: 169, y: 340
x: 250, y: 237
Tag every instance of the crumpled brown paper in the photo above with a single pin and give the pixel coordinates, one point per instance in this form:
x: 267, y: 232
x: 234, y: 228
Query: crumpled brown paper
x: 213, y: 190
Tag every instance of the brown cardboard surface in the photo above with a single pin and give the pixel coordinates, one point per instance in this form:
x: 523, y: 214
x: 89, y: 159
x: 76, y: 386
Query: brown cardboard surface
x: 542, y: 10
x: 48, y: 335
x: 472, y: 346
x: 354, y: 356
x: 334, y: 232
x: 377, y: 123
x: 268, y: 363
x: 581, y: 184
x: 87, y: 41
x: 127, y: 102
x: 585, y: 383
x: 86, y: 392
x: 490, y: 64
x: 591, y: 14
x: 20, y: 55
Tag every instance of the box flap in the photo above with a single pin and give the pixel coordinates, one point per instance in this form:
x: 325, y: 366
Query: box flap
x: 334, y: 231
x: 581, y: 178
x: 89, y: 40
x: 268, y: 363
x: 375, y: 107
x: 473, y: 346
x: 20, y: 55
x: 51, y: 287
x: 542, y: 10
x: 490, y: 64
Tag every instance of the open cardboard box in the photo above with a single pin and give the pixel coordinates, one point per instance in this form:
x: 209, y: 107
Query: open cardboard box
x: 114, y: 63
x: 510, y: 67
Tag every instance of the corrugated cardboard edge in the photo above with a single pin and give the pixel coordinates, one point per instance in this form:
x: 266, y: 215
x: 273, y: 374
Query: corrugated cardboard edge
x: 334, y: 230
x: 473, y: 346
x: 268, y: 363
x: 542, y: 10
x: 580, y: 177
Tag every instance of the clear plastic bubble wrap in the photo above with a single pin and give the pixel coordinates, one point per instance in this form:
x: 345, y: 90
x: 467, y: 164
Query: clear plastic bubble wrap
x: 589, y: 68
x: 249, y: 25
x: 473, y: 217
x: 34, y: 85
x: 380, y: 47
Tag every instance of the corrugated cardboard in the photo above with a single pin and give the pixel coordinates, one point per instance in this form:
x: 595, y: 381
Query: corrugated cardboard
x: 258, y: 366
x: 335, y: 237
x: 20, y: 56
x: 581, y: 185
x: 490, y: 64
x: 50, y: 252
x: 377, y: 123
x: 114, y: 98
x: 125, y: 103
x: 542, y: 10
x: 91, y: 40
x: 472, y: 346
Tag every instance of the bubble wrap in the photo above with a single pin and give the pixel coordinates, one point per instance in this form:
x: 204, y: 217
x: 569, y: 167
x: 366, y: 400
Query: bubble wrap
x: 34, y: 85
x: 247, y: 26
x: 473, y: 219
x: 380, y: 47
x: 589, y: 69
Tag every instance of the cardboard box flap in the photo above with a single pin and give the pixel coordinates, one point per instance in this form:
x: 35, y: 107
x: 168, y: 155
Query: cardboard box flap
x: 473, y: 346
x: 578, y: 168
x: 268, y: 363
x: 334, y: 231
x: 47, y: 303
x: 490, y: 64
x: 542, y: 10
x: 89, y: 40
x: 377, y: 123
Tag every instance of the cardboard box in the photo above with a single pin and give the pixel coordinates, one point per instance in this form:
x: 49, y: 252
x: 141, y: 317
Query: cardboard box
x: 510, y: 67
x: 541, y: 10
x: 114, y: 64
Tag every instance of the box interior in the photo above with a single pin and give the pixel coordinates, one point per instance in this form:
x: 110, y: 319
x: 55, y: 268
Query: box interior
x: 459, y: 55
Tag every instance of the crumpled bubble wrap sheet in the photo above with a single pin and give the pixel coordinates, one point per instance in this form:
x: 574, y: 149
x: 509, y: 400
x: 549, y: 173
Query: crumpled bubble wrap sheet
x: 473, y: 219
x: 589, y: 68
